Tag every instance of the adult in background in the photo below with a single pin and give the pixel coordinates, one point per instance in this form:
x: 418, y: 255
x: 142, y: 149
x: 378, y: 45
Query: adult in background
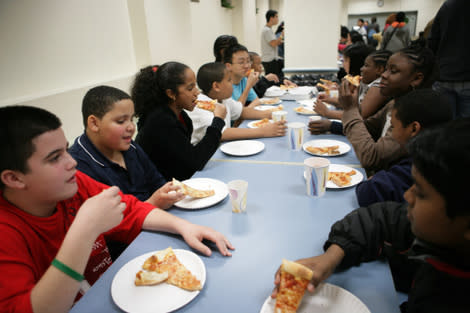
x: 397, y: 36
x: 449, y: 40
x: 373, y: 28
x: 269, y: 43
x: 362, y: 29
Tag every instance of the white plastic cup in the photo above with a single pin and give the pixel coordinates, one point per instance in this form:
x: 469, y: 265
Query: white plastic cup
x: 314, y: 118
x: 316, y: 175
x: 238, y: 191
x: 279, y: 116
x: 295, y: 135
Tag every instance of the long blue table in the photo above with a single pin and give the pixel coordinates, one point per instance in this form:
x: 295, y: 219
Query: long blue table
x: 281, y: 222
x: 276, y: 149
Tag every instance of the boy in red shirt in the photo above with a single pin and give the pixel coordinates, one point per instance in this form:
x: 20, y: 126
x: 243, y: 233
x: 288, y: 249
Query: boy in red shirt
x: 54, y: 219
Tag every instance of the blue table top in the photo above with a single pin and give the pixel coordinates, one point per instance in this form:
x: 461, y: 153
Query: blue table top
x: 277, y: 150
x: 281, y: 222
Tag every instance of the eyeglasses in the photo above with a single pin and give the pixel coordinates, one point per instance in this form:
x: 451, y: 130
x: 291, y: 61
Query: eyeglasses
x: 243, y: 62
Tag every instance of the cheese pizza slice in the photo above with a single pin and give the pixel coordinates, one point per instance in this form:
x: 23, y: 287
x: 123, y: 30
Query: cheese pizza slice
x: 144, y: 278
x: 330, y: 150
x: 261, y: 123
x: 294, y: 280
x: 341, y: 179
x: 208, y: 105
x: 192, y: 192
x: 356, y: 80
x: 178, y: 275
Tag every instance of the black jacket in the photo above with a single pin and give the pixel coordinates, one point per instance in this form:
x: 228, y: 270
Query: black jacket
x: 433, y: 277
x: 262, y: 85
x: 167, y: 142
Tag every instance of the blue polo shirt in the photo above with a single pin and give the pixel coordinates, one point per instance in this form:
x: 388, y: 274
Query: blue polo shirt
x: 141, y: 178
x: 239, y: 88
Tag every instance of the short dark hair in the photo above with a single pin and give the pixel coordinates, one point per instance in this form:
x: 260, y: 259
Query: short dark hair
x: 357, y: 53
x: 425, y: 106
x: 344, y: 32
x: 19, y: 125
x: 99, y: 100
x: 356, y: 37
x: 221, y: 44
x: 400, y: 17
x: 230, y: 51
x: 150, y: 85
x: 360, y: 20
x: 269, y: 14
x: 373, y: 19
x: 208, y: 74
x: 441, y: 153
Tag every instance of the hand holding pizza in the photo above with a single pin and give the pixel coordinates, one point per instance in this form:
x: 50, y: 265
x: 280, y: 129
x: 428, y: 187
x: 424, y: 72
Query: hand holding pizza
x: 194, y: 235
x: 220, y: 110
x: 252, y: 79
x: 319, y: 127
x: 322, y: 266
x: 165, y: 196
x: 348, y: 95
x: 272, y: 77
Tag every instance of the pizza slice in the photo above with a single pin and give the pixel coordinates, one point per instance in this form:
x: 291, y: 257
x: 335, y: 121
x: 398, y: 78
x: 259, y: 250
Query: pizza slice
x: 278, y: 108
x: 294, y: 280
x: 144, y: 278
x: 330, y: 150
x: 192, y: 192
x: 178, y: 275
x: 355, y: 81
x: 249, y: 72
x: 208, y: 105
x: 270, y: 101
x: 341, y: 179
x: 261, y: 123
x: 325, y: 88
x: 304, y: 110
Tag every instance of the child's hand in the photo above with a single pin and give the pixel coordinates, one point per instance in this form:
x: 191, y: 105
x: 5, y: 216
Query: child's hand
x: 194, y: 235
x: 252, y: 79
x: 321, y: 108
x: 348, y: 95
x: 275, y: 129
x: 319, y: 127
x: 322, y: 266
x: 220, y: 110
x: 326, y: 98
x: 102, y: 212
x: 166, y: 196
x: 272, y: 77
x: 288, y: 83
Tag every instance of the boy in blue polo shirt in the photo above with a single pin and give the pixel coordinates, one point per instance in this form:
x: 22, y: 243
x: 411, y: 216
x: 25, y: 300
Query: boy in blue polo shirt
x: 107, y: 153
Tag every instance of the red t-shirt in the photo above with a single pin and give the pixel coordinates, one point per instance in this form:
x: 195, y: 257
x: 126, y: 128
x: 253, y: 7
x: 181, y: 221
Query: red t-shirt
x: 30, y: 243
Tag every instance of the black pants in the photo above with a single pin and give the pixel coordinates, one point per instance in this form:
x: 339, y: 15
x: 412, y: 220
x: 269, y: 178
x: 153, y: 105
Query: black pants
x: 274, y: 66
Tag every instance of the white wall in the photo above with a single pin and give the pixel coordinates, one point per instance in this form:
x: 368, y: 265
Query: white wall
x: 427, y: 9
x: 51, y: 46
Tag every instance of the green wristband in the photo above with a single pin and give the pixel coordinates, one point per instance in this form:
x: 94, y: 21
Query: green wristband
x: 67, y: 270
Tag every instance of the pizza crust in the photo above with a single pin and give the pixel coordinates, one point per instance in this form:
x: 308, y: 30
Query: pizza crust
x: 143, y: 278
x: 296, y: 269
x: 192, y: 192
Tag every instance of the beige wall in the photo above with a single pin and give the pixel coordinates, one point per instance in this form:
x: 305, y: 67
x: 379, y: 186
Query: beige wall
x: 53, y: 51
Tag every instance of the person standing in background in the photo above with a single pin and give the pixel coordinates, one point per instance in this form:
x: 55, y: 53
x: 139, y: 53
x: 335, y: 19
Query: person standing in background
x: 269, y: 43
x: 362, y: 29
x: 449, y: 40
x: 397, y: 36
x: 280, y: 48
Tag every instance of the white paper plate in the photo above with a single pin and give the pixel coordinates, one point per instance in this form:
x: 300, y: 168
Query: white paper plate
x: 343, y: 147
x: 355, y: 179
x: 267, y: 101
x: 242, y: 147
x: 327, y: 298
x: 159, y: 298
x: 220, y: 188
x: 309, y: 111
x: 265, y: 107
x: 252, y: 123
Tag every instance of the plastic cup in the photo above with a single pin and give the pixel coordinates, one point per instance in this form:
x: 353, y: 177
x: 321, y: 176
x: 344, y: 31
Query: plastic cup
x: 279, y: 116
x: 316, y: 175
x: 314, y: 118
x: 237, y: 191
x: 295, y: 135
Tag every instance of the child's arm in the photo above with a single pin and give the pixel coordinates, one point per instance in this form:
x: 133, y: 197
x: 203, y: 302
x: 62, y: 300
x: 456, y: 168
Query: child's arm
x: 193, y: 234
x: 272, y: 130
x: 250, y: 82
x: 56, y: 291
x: 250, y: 113
x: 322, y: 110
x: 372, y: 102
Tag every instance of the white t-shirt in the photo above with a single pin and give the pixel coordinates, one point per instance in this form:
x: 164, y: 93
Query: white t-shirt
x: 202, y: 118
x: 268, y: 52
